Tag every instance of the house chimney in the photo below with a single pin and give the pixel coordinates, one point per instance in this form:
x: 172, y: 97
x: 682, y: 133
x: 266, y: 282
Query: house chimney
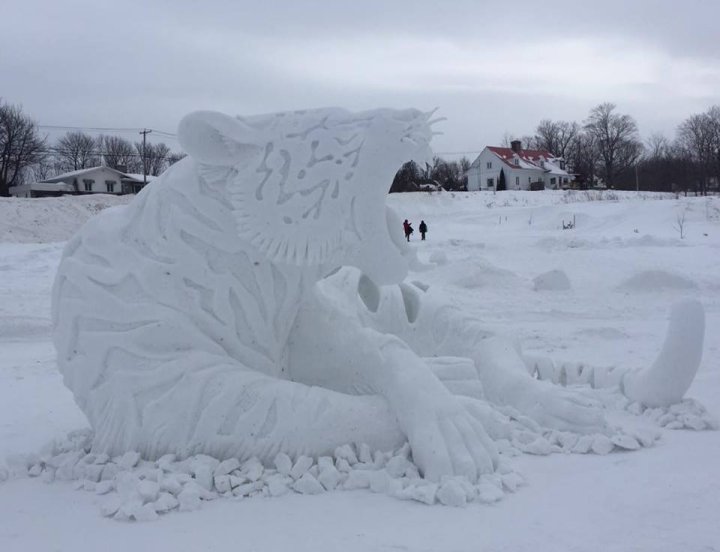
x: 122, y: 168
x: 516, y: 146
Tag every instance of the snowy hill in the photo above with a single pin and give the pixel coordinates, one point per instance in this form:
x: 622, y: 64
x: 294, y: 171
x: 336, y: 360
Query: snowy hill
x: 598, y: 292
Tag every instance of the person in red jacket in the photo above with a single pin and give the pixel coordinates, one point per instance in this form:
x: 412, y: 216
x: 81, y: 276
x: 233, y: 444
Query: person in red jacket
x: 408, y: 229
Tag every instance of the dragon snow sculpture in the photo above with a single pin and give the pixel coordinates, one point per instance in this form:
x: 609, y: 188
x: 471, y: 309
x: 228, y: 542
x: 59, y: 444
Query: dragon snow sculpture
x: 251, y: 301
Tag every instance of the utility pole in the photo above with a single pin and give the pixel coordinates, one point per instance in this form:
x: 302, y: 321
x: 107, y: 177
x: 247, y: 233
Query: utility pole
x: 144, y: 132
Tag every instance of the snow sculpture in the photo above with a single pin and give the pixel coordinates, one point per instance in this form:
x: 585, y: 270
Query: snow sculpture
x: 213, y: 314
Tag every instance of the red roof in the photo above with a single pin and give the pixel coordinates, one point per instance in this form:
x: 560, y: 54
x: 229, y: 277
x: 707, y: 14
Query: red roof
x: 530, y: 156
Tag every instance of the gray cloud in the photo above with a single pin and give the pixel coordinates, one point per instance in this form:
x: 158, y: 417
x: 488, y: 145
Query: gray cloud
x: 491, y: 67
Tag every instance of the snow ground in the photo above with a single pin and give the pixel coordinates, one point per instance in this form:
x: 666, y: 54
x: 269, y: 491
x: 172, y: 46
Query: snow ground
x: 626, y: 266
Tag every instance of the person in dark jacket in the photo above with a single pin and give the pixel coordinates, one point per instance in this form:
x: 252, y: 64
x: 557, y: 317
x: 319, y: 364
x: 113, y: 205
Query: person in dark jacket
x: 423, y: 229
x: 408, y: 229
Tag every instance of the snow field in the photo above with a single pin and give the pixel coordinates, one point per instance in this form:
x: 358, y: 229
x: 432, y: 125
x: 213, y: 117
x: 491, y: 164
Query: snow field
x: 665, y: 498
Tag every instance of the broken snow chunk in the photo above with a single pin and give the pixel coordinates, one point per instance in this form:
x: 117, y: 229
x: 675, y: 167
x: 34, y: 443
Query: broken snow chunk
x: 203, y: 459
x: 165, y: 502
x: 380, y: 458
x: 245, y: 489
x: 202, y: 492
x: 48, y: 476
x: 307, y: 484
x: 277, y: 485
x: 380, y: 481
x: 236, y: 481
x: 357, y: 479
x: 511, y: 481
x: 149, y: 490
x: 189, y: 499
x: 693, y: 422
x: 625, y: 441
x: 204, y: 476
x: 227, y: 466
x: 329, y: 477
x: 101, y: 458
x: 488, y: 492
x: 567, y: 440
x: 424, y: 492
x: 93, y: 472
x: 283, y: 463
x: 35, y: 470
x: 126, y: 484
x: 397, y: 466
x: 451, y: 493
x: 346, y: 452
x: 222, y: 483
x: 145, y: 513
x: 110, y: 505
x: 365, y: 454
x: 165, y: 462
x: 583, y: 444
x: 104, y: 487
x: 539, y: 446
x: 252, y: 469
x: 342, y: 465
x: 602, y: 444
x: 129, y: 460
x: 66, y: 469
x: 646, y: 437
x: 171, y: 483
x: 302, y: 464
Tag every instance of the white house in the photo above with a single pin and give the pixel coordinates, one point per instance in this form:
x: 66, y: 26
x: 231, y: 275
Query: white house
x: 94, y: 180
x: 517, y: 169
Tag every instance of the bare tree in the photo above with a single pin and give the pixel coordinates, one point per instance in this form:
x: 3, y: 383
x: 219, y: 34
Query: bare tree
x: 76, y: 150
x: 657, y: 146
x: 556, y: 136
x: 155, y: 157
x: 680, y: 223
x: 616, y: 137
x: 698, y: 137
x: 21, y: 146
x: 120, y: 154
x: 583, y: 156
x: 174, y: 157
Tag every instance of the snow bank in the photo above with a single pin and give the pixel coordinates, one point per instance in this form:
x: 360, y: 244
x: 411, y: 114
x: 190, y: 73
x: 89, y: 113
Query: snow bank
x: 657, y: 280
x: 51, y: 219
x: 554, y: 280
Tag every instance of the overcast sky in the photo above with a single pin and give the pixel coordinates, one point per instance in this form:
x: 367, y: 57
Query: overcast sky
x: 491, y: 67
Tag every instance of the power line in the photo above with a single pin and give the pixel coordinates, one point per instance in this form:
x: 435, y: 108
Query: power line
x: 107, y: 129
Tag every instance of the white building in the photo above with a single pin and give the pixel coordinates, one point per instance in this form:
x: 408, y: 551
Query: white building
x: 517, y: 169
x: 95, y: 180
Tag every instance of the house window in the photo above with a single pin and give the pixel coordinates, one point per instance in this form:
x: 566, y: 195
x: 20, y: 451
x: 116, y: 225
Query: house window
x: 88, y: 184
x: 490, y: 182
x: 488, y: 165
x: 517, y: 181
x: 552, y: 181
x: 110, y: 186
x: 529, y: 180
x: 516, y: 161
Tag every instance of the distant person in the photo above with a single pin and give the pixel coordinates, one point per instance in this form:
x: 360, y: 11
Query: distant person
x: 423, y: 229
x: 408, y: 229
